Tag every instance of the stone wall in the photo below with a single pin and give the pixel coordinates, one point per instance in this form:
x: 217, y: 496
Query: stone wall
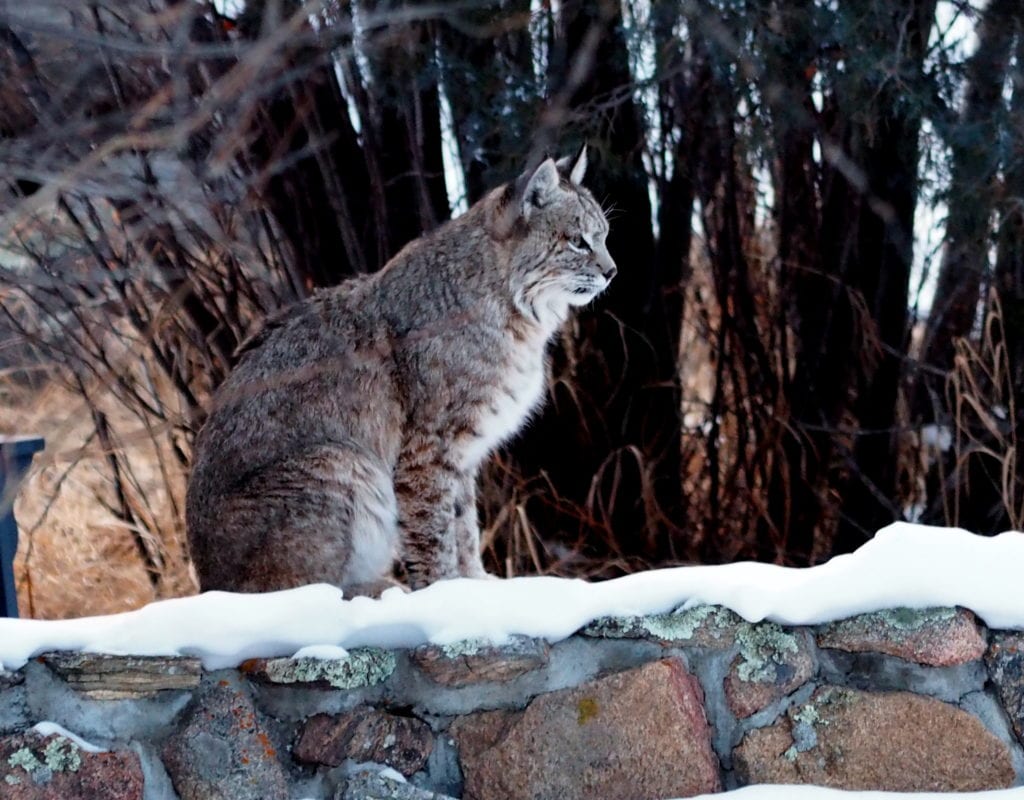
x: 672, y: 705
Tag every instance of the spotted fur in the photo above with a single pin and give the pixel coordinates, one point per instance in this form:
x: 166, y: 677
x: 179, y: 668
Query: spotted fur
x: 351, y: 432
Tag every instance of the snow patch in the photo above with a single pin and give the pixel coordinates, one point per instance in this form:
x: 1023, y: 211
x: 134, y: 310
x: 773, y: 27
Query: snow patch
x: 322, y: 652
x: 766, y: 792
x: 905, y: 565
x: 50, y: 728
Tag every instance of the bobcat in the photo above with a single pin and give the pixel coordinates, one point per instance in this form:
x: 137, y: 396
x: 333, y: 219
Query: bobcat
x: 350, y: 432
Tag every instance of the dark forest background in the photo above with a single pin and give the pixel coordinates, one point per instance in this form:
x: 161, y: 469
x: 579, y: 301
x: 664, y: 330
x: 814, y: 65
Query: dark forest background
x: 784, y: 364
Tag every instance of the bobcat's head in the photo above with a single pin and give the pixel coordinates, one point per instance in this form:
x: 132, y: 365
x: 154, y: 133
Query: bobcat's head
x: 557, y: 232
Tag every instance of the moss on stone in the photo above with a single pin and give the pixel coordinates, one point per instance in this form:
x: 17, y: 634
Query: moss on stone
x: 896, y: 620
x: 464, y: 647
x: 807, y: 714
x: 913, y: 619
x: 25, y: 759
x: 12, y: 780
x: 762, y: 647
x: 814, y: 711
x: 675, y: 626
x: 835, y: 697
x: 363, y: 667
x: 808, y: 717
x: 62, y: 755
x: 614, y: 628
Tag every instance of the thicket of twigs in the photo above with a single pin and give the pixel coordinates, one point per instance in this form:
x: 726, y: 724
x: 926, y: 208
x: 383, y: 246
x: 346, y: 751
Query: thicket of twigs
x: 762, y: 381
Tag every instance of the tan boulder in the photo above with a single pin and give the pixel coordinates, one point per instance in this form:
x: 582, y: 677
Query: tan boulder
x: 888, y: 741
x: 635, y: 735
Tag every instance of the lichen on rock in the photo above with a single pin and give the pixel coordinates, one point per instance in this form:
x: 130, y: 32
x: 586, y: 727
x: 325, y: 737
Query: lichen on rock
x: 807, y: 718
x: 762, y: 647
x: 59, y: 755
x: 62, y: 755
x: 703, y: 625
x: 362, y: 667
x: 464, y: 647
x: 770, y: 663
x: 25, y: 759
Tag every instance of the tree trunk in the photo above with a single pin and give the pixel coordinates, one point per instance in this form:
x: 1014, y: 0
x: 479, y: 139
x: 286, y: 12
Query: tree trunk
x: 490, y: 83
x: 1009, y: 284
x: 965, y: 261
x: 798, y: 496
x: 610, y: 439
x: 965, y: 268
x: 401, y: 115
x: 318, y: 185
x: 882, y: 142
x: 683, y: 106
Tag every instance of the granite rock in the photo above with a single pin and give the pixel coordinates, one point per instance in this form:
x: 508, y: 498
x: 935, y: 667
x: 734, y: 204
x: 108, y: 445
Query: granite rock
x: 1005, y: 662
x: 469, y: 662
x: 936, y: 637
x: 635, y: 734
x: 221, y: 749
x: 365, y: 734
x: 34, y: 767
x: 886, y: 741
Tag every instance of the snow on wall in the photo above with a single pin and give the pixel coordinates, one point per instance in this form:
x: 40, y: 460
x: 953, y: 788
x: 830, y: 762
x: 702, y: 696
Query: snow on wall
x: 905, y: 565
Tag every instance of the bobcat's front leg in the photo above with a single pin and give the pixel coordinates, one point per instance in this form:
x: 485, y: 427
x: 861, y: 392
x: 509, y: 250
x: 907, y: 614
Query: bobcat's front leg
x: 426, y: 486
x: 467, y: 530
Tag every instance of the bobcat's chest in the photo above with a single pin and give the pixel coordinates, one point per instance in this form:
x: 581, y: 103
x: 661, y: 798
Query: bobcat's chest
x: 517, y: 392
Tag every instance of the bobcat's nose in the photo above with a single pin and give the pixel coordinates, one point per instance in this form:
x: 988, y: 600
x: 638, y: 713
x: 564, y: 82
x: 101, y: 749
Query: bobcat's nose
x: 608, y: 268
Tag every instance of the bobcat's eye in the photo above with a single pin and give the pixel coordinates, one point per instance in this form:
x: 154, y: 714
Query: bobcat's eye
x: 578, y: 244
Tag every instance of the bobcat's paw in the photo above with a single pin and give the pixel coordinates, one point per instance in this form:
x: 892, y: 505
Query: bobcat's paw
x: 477, y: 571
x: 375, y: 589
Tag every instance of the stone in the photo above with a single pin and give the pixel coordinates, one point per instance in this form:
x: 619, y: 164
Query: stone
x: 221, y: 749
x: 635, y: 734
x: 365, y: 666
x: 772, y: 662
x: 36, y: 767
x: 107, y: 677
x: 935, y: 637
x: 365, y: 734
x: 374, y: 786
x: 886, y: 741
x: 1005, y: 662
x: 702, y: 626
x: 468, y: 662
x: 9, y: 678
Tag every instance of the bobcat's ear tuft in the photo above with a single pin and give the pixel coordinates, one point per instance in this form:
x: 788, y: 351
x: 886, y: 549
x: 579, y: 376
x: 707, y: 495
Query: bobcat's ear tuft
x: 578, y: 166
x: 540, y: 187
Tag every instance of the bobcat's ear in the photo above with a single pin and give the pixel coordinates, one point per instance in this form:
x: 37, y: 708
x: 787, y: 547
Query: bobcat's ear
x: 579, y: 166
x: 540, y: 187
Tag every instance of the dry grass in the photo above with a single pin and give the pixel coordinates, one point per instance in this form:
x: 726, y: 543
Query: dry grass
x: 75, y: 557
x: 985, y: 406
